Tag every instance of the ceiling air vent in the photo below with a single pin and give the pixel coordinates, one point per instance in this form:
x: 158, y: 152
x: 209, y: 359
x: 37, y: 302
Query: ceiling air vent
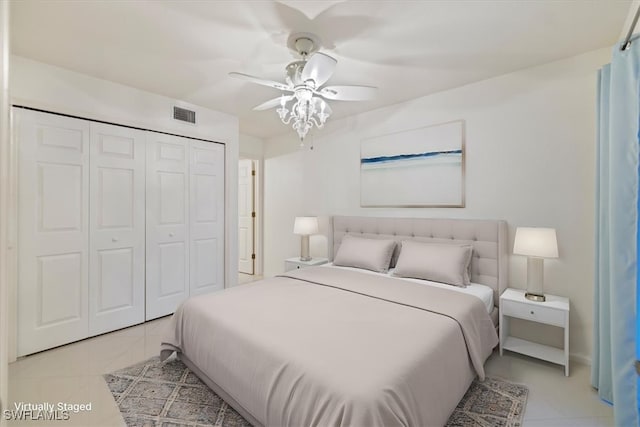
x: 184, y: 115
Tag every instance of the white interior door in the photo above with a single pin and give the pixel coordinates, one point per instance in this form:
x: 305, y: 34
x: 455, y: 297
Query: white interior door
x: 246, y: 217
x: 53, y: 230
x: 167, y: 223
x: 206, y: 212
x: 117, y: 227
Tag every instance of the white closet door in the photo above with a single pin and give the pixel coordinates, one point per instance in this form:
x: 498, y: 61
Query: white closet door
x: 117, y: 228
x: 167, y: 223
x: 53, y: 230
x: 206, y: 211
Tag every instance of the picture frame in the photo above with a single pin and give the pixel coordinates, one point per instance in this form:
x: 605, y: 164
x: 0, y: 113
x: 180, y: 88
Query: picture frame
x: 422, y: 167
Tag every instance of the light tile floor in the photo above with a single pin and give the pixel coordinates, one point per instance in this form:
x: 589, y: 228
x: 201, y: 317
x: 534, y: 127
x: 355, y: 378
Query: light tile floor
x: 73, y: 374
x: 554, y: 400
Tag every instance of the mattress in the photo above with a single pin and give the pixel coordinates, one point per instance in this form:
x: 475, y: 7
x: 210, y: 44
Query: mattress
x: 326, y: 346
x: 483, y: 292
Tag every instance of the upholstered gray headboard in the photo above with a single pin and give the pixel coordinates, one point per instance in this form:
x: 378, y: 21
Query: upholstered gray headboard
x: 489, y: 265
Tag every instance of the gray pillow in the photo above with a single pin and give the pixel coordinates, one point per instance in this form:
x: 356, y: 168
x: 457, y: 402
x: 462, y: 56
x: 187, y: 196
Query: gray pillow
x: 437, y: 262
x: 370, y: 254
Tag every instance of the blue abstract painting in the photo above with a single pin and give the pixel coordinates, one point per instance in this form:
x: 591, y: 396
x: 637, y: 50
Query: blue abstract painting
x: 417, y: 167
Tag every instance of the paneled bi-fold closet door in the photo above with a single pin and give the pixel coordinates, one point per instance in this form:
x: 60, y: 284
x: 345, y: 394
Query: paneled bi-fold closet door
x: 206, y: 211
x: 117, y: 228
x: 53, y: 270
x: 167, y: 223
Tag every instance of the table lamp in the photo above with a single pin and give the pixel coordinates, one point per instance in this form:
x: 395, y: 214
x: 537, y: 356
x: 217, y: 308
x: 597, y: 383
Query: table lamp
x: 305, y: 226
x: 536, y: 243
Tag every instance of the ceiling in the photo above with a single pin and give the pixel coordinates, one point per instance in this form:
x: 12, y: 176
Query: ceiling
x: 185, y: 49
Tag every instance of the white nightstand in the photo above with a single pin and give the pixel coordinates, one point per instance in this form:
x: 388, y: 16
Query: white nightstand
x: 295, y: 263
x: 554, y: 311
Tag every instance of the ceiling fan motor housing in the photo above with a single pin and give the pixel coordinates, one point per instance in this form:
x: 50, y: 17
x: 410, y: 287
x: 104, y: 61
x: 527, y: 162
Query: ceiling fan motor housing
x: 304, y: 44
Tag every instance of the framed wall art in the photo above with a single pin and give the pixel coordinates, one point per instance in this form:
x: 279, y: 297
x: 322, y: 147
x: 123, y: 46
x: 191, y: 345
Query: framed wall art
x: 421, y: 167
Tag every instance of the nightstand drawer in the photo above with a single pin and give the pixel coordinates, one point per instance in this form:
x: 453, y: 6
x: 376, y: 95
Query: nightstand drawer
x: 536, y: 313
x: 296, y: 263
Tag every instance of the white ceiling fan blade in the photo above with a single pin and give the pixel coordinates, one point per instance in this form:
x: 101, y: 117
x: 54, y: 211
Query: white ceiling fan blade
x: 318, y: 68
x: 258, y: 80
x: 273, y: 103
x: 348, y: 93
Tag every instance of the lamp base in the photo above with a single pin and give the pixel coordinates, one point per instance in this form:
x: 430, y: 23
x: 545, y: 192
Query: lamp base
x: 304, y: 248
x: 535, y: 297
x: 535, y: 271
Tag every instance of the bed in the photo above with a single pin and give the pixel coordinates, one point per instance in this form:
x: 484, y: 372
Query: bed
x: 337, y: 346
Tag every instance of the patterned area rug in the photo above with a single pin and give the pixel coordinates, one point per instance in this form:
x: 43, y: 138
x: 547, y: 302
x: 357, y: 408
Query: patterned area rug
x: 152, y: 393
x: 493, y: 402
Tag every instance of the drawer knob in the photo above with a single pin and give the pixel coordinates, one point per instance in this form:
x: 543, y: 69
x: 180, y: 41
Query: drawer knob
x: 531, y: 311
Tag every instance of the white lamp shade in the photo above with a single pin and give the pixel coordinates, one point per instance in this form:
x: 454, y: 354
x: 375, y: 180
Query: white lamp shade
x: 305, y: 225
x: 536, y: 242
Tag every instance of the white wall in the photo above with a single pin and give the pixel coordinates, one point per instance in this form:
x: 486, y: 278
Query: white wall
x: 530, y: 141
x: 251, y: 147
x: 283, y: 200
x: 38, y: 85
x: 5, y: 188
x: 633, y: 8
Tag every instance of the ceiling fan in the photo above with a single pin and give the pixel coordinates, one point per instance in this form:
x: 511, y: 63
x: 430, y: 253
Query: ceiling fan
x: 304, y: 103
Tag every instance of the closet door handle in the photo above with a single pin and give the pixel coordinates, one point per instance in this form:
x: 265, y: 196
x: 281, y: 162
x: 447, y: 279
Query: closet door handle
x: 114, y: 239
x: 171, y: 234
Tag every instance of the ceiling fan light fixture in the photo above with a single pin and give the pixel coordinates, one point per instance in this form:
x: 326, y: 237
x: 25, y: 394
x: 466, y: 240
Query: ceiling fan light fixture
x: 303, y: 93
x: 304, y: 105
x: 304, y: 113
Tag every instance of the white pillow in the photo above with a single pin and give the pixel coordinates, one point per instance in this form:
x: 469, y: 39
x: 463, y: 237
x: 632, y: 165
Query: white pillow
x: 370, y: 254
x: 442, y: 263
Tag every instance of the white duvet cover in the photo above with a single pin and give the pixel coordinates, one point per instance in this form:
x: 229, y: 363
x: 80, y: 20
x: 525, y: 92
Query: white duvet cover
x: 330, y: 347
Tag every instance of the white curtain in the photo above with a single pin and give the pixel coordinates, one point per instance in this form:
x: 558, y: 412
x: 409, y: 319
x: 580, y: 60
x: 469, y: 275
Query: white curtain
x: 616, y: 280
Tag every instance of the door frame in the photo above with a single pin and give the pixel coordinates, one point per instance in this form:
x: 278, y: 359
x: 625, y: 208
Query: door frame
x: 258, y: 207
x: 244, y: 216
x: 258, y: 224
